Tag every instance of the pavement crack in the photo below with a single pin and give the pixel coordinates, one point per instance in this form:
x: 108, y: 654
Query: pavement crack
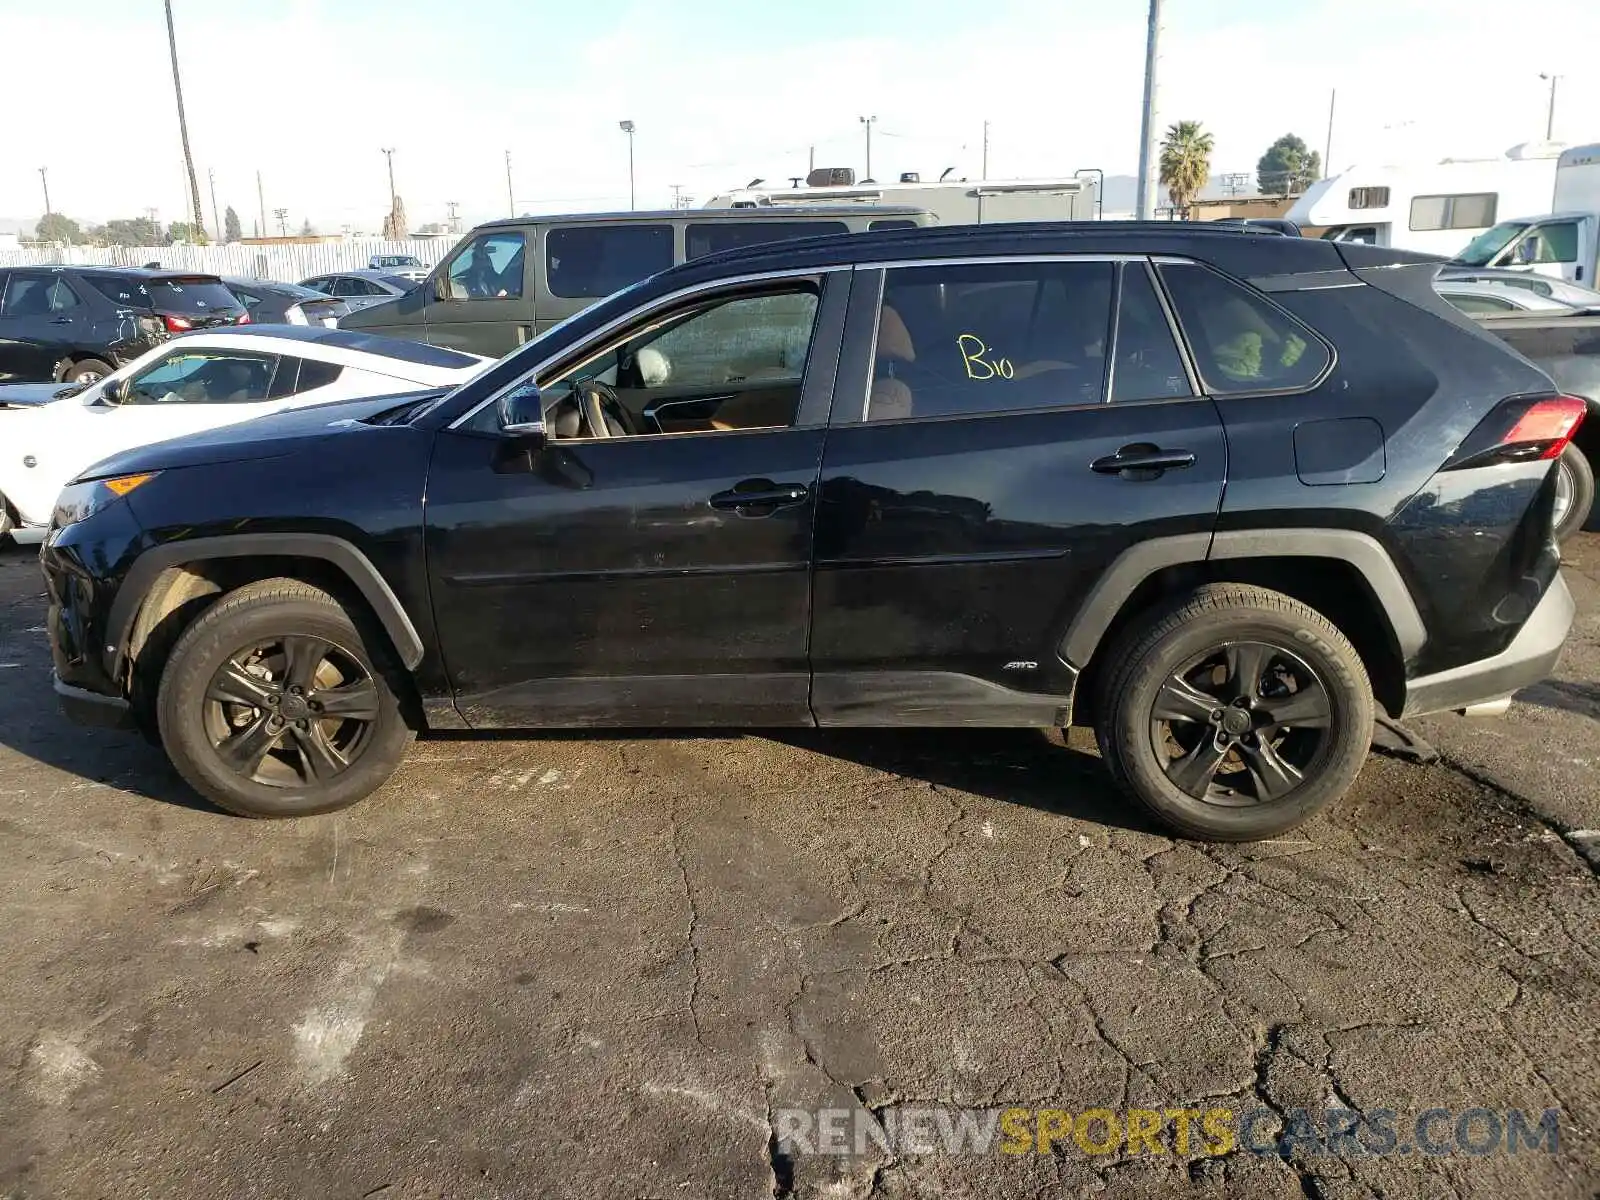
x: 692, y: 930
x: 1526, y: 808
x: 236, y: 1077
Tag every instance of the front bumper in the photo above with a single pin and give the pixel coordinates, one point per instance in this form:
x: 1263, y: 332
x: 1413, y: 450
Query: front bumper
x: 1529, y: 659
x: 84, y: 707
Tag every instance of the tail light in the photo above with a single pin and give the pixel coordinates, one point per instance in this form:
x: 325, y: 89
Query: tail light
x: 177, y: 324
x: 1521, y: 429
x: 244, y: 319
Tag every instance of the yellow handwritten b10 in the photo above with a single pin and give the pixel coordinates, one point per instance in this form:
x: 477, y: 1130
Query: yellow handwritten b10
x: 973, y: 352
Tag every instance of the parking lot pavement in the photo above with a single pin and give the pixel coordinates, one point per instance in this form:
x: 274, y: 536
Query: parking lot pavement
x: 606, y: 966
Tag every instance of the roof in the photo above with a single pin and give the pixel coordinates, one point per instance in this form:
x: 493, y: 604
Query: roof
x: 134, y: 272
x: 348, y: 340
x: 787, y: 212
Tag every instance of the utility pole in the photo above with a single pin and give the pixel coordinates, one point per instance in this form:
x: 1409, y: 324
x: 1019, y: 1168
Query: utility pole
x: 451, y: 206
x: 985, y: 174
x: 627, y: 127
x: 216, y: 220
x: 1147, y: 126
x: 1327, y: 148
x: 868, y: 122
x: 44, y: 178
x: 283, y: 225
x: 811, y: 162
x: 183, y: 122
x: 677, y: 195
x: 1550, y: 116
x: 389, y: 156
x: 261, y: 201
x: 511, y: 196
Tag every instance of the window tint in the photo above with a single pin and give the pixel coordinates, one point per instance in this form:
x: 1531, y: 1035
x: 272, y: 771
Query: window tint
x: 1148, y: 365
x: 1369, y: 197
x: 121, y: 289
x: 585, y: 261
x: 752, y: 338
x: 1469, y: 210
x: 319, y: 284
x: 708, y: 237
x: 1240, y: 342
x: 1470, y: 303
x: 204, y: 377
x: 1556, y: 243
x: 893, y: 223
x: 315, y: 374
x: 978, y: 339
x: 488, y: 268
x: 199, y: 295
x: 37, y: 294
x: 349, y: 285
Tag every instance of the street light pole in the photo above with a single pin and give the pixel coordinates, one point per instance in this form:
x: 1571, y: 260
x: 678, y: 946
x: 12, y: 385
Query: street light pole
x: 183, y: 124
x: 44, y: 178
x: 1147, y: 125
x: 627, y: 127
x: 216, y: 221
x: 388, y: 155
x: 511, y: 196
x: 1550, y: 116
x: 868, y: 122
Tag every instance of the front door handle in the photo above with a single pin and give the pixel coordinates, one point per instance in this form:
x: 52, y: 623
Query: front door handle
x: 1142, y: 461
x: 61, y: 321
x: 760, y: 493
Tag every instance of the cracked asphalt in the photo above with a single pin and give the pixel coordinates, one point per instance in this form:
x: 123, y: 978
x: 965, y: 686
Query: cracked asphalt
x: 601, y: 966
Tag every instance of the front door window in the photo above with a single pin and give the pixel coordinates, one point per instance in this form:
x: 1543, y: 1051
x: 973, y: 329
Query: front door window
x: 488, y: 268
x: 204, y: 377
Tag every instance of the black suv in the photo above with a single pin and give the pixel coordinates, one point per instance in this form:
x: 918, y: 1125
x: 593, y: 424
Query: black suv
x: 1214, y: 492
x: 77, y: 324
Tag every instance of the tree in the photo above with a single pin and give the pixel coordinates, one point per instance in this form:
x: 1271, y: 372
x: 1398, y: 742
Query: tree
x: 1185, y: 162
x: 183, y: 231
x: 53, y: 227
x: 133, y: 231
x: 230, y: 225
x: 394, y: 225
x: 1288, y: 166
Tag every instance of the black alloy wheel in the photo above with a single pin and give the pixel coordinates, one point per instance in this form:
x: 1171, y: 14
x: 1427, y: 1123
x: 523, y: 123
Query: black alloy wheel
x: 293, y: 712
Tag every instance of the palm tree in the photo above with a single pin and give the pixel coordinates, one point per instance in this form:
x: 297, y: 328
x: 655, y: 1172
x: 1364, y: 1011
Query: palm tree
x: 1185, y: 162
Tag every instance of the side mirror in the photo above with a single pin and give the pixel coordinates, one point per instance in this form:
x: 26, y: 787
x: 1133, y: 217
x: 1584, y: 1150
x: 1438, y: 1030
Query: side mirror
x: 112, y: 391
x: 522, y: 413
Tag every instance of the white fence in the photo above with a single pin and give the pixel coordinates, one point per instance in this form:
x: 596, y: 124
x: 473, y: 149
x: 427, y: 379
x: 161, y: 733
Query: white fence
x: 286, y: 262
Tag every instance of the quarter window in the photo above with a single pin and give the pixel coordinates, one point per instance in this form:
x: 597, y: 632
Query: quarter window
x: 205, y: 377
x: 1241, y: 343
x: 120, y: 289
x: 588, y: 261
x: 487, y: 268
x: 959, y: 340
x: 708, y: 237
x: 1148, y: 363
x: 1467, y: 210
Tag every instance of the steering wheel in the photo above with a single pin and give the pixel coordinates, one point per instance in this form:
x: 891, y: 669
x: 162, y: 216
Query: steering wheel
x: 599, y: 402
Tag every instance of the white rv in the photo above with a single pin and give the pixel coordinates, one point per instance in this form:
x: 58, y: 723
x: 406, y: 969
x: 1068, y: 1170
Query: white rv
x: 952, y: 201
x: 1434, y: 207
x: 1565, y: 243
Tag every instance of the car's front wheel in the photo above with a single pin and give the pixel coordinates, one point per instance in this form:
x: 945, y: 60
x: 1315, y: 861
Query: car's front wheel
x: 275, y: 703
x: 1235, y: 715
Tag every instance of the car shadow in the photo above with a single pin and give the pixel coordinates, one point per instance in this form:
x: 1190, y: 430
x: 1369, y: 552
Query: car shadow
x: 1580, y: 698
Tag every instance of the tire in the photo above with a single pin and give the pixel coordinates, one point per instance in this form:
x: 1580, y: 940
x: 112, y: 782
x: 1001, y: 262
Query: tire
x: 85, y: 370
x: 1577, y: 479
x: 1215, y: 637
x: 273, y: 633
x: 6, y: 523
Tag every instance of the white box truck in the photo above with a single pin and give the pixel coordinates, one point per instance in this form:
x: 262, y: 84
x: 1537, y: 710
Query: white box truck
x: 1563, y: 243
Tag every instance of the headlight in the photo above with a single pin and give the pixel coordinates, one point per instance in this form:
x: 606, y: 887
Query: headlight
x: 80, y: 501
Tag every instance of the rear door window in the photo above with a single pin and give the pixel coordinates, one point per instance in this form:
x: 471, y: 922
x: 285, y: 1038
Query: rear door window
x: 1148, y: 364
x: 1240, y: 341
x: 708, y: 237
x: 589, y: 261
x: 970, y: 339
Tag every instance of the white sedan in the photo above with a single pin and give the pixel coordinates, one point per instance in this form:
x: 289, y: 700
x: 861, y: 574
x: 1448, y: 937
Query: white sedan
x: 191, y: 384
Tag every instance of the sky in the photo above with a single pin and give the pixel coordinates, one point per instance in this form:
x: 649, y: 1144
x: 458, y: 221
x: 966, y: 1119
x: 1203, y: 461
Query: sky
x: 308, y: 92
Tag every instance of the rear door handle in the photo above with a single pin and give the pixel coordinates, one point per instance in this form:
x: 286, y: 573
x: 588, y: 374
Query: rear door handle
x: 1141, y: 456
x: 760, y: 493
x: 61, y: 321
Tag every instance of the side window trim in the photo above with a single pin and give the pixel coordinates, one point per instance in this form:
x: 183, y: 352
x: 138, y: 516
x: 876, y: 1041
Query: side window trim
x: 1191, y: 369
x: 1188, y: 353
x: 601, y: 339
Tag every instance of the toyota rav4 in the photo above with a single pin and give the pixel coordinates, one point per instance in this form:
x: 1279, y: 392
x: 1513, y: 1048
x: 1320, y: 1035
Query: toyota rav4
x: 1219, y: 494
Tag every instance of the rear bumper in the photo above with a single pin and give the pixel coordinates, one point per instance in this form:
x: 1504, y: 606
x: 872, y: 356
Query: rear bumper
x: 84, y: 707
x: 1530, y: 658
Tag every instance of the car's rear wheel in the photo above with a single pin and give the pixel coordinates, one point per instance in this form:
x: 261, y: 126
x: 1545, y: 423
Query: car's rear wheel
x: 1574, y: 492
x: 85, y: 370
x: 275, y: 703
x: 7, y: 522
x: 1235, y: 715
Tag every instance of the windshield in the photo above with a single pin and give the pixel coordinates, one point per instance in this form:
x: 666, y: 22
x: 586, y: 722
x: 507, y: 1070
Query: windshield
x: 1480, y: 251
x: 191, y: 296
